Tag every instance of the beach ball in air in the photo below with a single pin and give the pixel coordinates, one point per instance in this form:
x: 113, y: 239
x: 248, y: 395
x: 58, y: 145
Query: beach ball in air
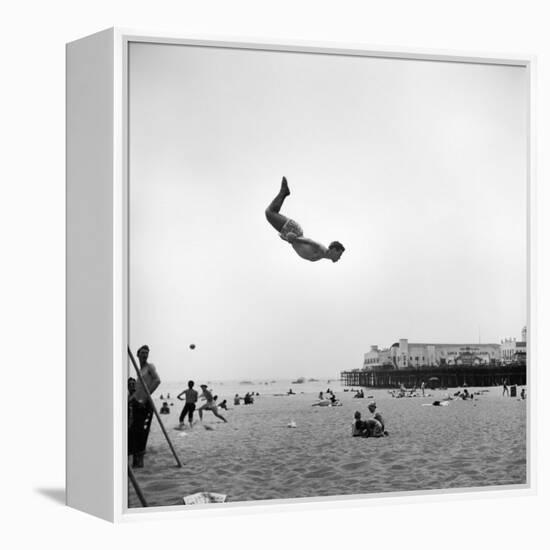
x: 192, y: 346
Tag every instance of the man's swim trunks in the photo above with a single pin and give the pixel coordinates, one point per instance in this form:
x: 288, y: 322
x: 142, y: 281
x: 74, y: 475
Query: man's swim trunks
x: 291, y: 226
x: 210, y: 406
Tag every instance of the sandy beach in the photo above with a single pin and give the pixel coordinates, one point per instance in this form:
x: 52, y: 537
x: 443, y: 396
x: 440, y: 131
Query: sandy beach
x: 256, y: 456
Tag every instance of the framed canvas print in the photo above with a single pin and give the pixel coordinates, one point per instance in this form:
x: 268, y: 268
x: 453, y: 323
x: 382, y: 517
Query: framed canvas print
x: 296, y: 273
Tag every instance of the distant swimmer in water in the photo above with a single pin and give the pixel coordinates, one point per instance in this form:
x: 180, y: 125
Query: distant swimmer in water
x: 291, y: 232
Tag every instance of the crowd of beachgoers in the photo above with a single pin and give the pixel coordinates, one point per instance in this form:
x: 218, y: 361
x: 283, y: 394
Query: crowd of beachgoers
x: 248, y: 453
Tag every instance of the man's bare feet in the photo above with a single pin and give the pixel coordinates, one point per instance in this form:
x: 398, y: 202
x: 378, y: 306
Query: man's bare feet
x: 284, y: 187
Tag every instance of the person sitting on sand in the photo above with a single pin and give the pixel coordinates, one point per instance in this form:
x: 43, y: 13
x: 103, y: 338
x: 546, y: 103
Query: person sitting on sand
x: 236, y: 399
x: 190, y: 396
x: 223, y: 405
x: 360, y: 428
x: 321, y: 397
x: 377, y: 416
x: 165, y: 409
x: 210, y: 404
x: 366, y: 428
x: 290, y: 231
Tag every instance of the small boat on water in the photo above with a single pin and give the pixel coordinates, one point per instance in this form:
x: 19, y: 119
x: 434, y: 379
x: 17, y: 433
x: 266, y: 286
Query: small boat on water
x: 300, y: 380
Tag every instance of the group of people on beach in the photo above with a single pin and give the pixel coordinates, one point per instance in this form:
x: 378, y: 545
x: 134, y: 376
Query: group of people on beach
x: 371, y: 427
x: 248, y: 398
x: 191, y: 396
x: 141, y: 408
x: 329, y: 399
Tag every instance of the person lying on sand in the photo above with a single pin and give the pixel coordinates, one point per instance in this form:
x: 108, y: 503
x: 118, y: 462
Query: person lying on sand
x: 210, y: 404
x: 290, y: 231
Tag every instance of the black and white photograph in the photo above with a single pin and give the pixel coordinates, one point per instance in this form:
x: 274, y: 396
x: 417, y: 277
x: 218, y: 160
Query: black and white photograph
x: 327, y: 275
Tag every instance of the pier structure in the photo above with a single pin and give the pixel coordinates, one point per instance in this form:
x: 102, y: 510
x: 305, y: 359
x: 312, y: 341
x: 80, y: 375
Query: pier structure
x: 448, y: 377
x: 442, y: 365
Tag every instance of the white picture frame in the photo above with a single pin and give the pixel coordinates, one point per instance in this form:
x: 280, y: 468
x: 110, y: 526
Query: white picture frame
x: 97, y: 268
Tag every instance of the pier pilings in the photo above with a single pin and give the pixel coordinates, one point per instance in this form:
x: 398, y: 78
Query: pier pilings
x: 448, y: 377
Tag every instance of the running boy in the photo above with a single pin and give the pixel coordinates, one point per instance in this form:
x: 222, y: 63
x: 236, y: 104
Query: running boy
x: 210, y: 404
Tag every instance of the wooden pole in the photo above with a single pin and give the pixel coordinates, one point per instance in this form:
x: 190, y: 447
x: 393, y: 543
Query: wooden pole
x: 136, y: 487
x: 138, y: 372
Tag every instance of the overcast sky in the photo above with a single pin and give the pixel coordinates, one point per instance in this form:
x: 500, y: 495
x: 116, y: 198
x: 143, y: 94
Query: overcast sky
x: 418, y: 168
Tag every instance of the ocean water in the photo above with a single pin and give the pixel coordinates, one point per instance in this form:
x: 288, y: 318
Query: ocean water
x: 226, y: 389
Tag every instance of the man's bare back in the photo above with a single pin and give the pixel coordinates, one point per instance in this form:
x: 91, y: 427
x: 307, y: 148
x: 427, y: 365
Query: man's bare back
x: 308, y: 249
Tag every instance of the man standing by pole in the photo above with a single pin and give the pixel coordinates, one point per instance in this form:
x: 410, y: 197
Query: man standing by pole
x: 141, y: 408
